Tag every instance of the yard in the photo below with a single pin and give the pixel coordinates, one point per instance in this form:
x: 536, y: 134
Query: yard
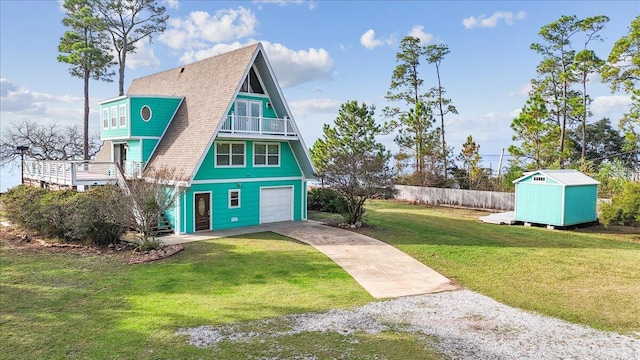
x: 589, y: 276
x: 57, y: 305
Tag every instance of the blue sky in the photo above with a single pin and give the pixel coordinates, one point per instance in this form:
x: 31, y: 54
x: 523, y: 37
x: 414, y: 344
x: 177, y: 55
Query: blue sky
x: 323, y: 52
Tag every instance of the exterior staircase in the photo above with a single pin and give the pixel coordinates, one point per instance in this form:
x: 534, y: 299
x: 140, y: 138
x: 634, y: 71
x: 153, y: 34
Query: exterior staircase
x: 164, y: 227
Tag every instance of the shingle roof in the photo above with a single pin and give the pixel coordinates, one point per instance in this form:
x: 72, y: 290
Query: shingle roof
x: 208, y: 86
x: 564, y: 177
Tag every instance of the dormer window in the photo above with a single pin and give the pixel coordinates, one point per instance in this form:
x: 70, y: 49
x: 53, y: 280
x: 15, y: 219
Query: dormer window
x: 251, y: 83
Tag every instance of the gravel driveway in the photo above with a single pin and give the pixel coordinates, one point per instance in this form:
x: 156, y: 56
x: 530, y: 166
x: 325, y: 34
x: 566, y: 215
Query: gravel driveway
x: 467, y: 325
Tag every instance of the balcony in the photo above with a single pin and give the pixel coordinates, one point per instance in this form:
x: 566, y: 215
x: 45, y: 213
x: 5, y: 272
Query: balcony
x: 77, y: 173
x: 263, y: 127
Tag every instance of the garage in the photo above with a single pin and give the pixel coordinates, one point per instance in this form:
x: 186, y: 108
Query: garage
x: 276, y: 204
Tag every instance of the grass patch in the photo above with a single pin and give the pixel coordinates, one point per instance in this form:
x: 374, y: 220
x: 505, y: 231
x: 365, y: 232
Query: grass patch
x: 55, y: 306
x: 588, y: 276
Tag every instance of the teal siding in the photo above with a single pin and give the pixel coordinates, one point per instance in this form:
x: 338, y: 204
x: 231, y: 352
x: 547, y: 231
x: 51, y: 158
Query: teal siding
x: 580, y: 204
x: 249, y: 212
x: 266, y: 111
x: 288, y: 165
x: 162, y: 111
x: 117, y: 132
x: 148, y: 145
x: 133, y: 150
x: 539, y: 203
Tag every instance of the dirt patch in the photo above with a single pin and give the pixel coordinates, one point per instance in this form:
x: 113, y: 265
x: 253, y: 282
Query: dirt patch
x: 16, y: 238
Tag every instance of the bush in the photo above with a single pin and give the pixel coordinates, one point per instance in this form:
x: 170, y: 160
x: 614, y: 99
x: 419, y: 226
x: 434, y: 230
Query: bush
x: 326, y: 200
x: 97, y: 216
x: 624, y: 208
x: 21, y: 205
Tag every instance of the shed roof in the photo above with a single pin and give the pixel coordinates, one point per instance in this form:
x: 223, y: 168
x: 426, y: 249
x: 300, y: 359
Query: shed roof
x: 564, y: 177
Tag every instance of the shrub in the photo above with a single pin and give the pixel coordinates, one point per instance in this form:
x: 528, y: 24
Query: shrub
x: 326, y: 200
x: 624, y: 208
x: 98, y: 216
x: 21, y: 205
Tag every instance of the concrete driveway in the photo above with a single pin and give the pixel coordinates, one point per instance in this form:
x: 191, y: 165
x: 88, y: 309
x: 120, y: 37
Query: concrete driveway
x: 384, y: 271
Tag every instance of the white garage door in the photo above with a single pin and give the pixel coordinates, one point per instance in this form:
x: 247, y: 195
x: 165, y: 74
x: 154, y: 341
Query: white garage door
x: 275, y: 204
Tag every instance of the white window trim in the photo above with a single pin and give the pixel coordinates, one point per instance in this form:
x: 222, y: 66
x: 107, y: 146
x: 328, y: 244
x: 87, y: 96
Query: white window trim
x: 248, y: 102
x: 266, y: 164
x: 150, y: 113
x: 105, y: 120
x: 113, y: 119
x: 539, y: 179
x: 239, y: 199
x: 215, y: 154
x: 246, y: 78
x: 122, y: 107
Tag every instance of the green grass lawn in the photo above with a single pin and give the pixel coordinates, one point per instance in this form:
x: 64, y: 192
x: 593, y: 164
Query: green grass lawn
x: 589, y: 276
x: 66, y: 306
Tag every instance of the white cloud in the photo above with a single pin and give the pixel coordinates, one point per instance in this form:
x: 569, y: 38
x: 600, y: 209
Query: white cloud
x: 522, y: 91
x: 143, y: 57
x: 368, y: 40
x: 609, y: 105
x: 315, y: 106
x: 312, y: 4
x: 172, y: 4
x: 291, y: 67
x: 418, y: 31
x: 18, y: 99
x: 491, y: 22
x: 200, y: 28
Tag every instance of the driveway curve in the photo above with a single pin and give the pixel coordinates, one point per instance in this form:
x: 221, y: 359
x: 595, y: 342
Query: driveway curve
x: 383, y: 270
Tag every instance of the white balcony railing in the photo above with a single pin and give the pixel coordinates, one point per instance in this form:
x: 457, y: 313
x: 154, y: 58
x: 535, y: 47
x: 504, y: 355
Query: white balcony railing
x: 258, y: 125
x: 73, y: 173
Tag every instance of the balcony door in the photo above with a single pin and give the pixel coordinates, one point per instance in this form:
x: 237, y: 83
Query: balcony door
x: 248, y: 115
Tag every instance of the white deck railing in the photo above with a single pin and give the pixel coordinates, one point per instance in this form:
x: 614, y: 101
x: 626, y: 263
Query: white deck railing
x: 258, y: 125
x: 73, y: 173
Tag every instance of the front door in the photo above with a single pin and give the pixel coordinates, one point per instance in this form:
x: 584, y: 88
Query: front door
x: 120, y: 154
x: 203, y: 211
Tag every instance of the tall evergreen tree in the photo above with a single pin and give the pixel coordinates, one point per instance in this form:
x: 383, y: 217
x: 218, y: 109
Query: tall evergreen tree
x: 416, y: 133
x: 622, y: 71
x: 355, y: 164
x: 128, y: 22
x: 435, y: 54
x: 555, y: 76
x: 84, y: 48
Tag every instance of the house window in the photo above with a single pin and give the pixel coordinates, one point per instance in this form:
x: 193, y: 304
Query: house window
x: 266, y: 154
x: 234, y: 199
x: 123, y: 115
x: 105, y: 118
x: 251, y: 83
x: 539, y: 178
x: 114, y: 116
x: 229, y: 154
x: 145, y: 113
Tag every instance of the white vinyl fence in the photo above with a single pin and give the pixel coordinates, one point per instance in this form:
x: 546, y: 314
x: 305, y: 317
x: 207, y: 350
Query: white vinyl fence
x: 490, y: 200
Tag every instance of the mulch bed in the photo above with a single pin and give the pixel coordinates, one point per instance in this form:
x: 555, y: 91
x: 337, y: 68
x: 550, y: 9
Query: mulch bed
x: 15, y: 238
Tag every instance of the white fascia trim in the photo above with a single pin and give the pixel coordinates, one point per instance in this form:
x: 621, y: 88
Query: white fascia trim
x: 243, y: 180
x: 112, y: 99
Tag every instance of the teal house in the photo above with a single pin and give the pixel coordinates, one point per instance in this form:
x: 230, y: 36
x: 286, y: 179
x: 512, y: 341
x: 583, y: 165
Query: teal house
x: 225, y: 126
x: 556, y: 198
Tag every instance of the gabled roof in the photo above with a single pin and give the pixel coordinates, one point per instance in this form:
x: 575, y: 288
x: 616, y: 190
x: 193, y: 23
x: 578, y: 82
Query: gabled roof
x: 564, y: 177
x: 208, y: 86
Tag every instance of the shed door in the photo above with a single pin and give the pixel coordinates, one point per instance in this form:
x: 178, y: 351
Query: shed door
x: 276, y: 204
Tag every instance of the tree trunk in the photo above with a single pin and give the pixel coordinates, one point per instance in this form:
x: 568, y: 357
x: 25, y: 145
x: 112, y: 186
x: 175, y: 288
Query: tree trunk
x: 444, y: 144
x: 86, y: 114
x: 123, y: 59
x: 584, y: 118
